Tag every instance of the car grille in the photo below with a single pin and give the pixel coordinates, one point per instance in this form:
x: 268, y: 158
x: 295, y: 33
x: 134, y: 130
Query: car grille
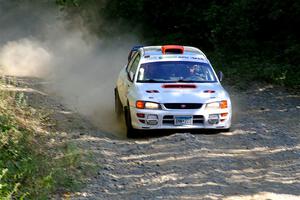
x: 183, y: 105
x: 169, y: 120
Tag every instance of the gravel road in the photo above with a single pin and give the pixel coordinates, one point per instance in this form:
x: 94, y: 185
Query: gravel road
x: 258, y: 159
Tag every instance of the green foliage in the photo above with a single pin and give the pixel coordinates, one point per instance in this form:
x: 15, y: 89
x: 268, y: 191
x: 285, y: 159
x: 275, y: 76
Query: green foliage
x: 28, y: 173
x: 15, y: 159
x: 68, y: 2
x: 27, y: 167
x: 242, y: 71
x: 262, y: 36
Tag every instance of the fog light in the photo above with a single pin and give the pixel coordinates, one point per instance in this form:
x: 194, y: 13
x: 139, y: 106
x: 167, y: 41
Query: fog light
x: 152, y: 119
x: 140, y: 115
x: 224, y: 114
x: 213, y: 119
x: 142, y: 121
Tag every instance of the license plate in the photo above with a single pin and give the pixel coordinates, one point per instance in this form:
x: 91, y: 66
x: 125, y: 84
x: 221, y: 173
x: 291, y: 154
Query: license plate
x: 183, y: 120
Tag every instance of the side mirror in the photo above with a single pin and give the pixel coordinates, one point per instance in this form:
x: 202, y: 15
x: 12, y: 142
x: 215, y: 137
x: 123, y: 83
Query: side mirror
x: 220, y: 76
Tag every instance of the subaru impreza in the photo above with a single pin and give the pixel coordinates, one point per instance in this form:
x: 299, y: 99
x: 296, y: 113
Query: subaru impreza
x: 171, y: 87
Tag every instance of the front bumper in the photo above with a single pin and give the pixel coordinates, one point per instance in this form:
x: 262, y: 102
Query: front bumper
x: 166, y: 117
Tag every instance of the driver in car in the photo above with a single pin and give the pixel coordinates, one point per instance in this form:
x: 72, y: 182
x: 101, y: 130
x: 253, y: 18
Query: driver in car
x: 195, y: 73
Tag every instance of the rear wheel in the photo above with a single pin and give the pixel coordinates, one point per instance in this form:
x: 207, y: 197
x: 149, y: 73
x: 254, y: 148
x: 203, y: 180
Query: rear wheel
x: 118, y: 104
x: 130, y: 131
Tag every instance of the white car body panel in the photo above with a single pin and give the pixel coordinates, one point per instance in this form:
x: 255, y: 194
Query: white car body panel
x: 132, y: 91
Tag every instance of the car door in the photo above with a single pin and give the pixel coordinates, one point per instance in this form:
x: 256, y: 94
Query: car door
x: 128, y: 80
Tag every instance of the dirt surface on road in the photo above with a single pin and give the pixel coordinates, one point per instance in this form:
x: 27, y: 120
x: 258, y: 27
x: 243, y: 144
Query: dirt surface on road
x: 258, y: 159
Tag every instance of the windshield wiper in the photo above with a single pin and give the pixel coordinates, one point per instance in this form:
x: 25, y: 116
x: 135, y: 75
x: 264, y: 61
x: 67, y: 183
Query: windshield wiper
x: 155, y: 81
x: 192, y: 81
x: 186, y: 81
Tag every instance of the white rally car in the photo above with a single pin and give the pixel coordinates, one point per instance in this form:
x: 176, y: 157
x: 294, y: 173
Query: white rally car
x: 171, y: 87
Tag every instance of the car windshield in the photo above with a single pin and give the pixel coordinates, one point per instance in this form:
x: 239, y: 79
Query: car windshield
x: 176, y: 71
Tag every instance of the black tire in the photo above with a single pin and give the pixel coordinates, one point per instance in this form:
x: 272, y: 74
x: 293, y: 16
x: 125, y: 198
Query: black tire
x: 118, y: 104
x: 130, y: 131
x: 226, y: 130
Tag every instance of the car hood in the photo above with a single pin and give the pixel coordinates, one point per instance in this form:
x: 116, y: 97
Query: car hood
x: 181, y: 92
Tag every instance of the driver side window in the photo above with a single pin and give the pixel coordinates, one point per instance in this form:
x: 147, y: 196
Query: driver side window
x: 131, y: 70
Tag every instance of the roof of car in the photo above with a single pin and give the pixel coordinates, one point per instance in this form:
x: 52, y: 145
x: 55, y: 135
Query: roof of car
x: 157, y: 50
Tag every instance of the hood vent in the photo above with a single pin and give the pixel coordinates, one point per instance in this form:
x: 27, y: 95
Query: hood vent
x: 182, y: 86
x: 209, y: 91
x: 152, y: 91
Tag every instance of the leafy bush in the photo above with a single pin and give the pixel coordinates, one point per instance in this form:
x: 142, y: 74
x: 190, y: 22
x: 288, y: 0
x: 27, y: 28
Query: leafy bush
x: 15, y: 158
x: 28, y: 168
x: 263, y: 33
x: 241, y: 70
x: 24, y: 167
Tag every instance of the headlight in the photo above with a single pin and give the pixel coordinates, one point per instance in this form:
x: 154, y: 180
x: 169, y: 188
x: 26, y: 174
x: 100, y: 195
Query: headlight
x: 151, y: 105
x: 217, y: 105
x: 147, y: 105
x: 214, y: 105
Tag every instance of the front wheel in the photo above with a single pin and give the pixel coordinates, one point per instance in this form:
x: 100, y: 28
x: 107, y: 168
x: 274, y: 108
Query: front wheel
x: 130, y: 131
x: 226, y: 130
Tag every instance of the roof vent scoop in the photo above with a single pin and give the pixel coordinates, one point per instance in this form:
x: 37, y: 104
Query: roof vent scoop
x: 172, y: 49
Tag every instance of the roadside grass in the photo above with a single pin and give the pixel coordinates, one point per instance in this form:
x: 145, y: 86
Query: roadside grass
x: 31, y: 166
x: 242, y: 71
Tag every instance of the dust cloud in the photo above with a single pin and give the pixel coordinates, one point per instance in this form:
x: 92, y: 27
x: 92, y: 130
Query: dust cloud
x: 24, y: 58
x: 79, y: 67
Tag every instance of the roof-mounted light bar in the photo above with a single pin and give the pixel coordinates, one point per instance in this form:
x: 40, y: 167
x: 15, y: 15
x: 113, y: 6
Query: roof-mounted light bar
x: 172, y: 49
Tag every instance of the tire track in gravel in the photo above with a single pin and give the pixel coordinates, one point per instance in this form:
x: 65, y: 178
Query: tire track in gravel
x: 258, y: 159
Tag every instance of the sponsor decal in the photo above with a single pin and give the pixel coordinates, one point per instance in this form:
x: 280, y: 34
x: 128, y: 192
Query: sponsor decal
x: 183, y: 57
